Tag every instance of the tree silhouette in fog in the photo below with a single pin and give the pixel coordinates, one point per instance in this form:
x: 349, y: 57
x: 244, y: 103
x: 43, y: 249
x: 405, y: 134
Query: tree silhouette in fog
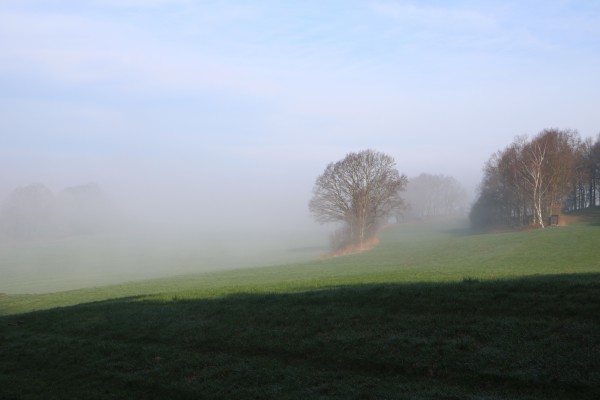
x: 35, y: 212
x: 359, y: 191
x: 430, y: 196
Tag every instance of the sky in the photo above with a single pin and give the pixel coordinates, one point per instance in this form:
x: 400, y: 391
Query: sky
x: 235, y: 107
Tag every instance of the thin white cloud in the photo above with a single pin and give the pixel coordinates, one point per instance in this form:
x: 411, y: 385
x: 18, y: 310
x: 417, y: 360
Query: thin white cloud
x: 77, y: 49
x: 437, y: 17
x: 107, y: 4
x: 477, y: 29
x: 137, y: 3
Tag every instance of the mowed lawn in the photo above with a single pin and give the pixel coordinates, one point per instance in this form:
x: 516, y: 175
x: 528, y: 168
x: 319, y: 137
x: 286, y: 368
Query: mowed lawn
x: 433, y: 312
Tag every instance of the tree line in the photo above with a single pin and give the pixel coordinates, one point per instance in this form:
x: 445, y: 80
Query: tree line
x: 555, y: 171
x: 431, y: 196
x: 35, y: 212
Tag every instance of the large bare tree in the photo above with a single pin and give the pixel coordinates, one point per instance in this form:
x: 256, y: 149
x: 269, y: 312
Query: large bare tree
x: 360, y: 191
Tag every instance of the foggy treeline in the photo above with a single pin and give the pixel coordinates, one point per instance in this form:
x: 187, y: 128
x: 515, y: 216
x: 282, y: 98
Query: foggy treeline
x: 429, y: 196
x: 87, y: 235
x: 530, y: 180
x: 35, y: 212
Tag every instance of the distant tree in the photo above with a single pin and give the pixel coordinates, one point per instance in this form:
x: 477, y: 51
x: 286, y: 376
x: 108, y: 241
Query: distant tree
x: 584, y: 193
x: 493, y: 206
x: 595, y: 173
x: 359, y: 191
x: 586, y: 184
x: 28, y: 213
x: 34, y: 212
x: 433, y: 196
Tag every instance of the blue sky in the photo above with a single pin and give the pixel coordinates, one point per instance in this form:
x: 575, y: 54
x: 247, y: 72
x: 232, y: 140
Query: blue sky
x: 222, y: 99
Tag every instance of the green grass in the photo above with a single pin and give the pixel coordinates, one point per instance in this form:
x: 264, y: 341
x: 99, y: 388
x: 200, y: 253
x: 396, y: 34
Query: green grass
x: 432, y: 313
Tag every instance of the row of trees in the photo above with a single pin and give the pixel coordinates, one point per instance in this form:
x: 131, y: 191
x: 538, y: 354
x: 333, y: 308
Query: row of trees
x: 555, y: 171
x: 35, y: 212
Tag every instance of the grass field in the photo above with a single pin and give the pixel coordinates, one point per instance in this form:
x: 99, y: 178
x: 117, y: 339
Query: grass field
x: 138, y: 253
x: 433, y: 312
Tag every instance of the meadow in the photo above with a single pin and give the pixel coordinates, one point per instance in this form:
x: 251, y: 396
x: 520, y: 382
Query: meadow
x: 140, y: 252
x: 433, y: 312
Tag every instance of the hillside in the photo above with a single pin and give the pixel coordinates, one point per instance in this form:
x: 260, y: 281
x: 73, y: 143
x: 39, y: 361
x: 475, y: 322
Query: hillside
x: 441, y: 251
x: 432, y: 312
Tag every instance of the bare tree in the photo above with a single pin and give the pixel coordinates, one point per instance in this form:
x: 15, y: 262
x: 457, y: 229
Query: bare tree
x: 360, y: 191
x: 498, y: 203
x: 548, y: 165
x: 532, y: 162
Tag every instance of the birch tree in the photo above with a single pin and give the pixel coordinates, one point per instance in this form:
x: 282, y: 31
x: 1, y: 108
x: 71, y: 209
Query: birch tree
x: 531, y: 162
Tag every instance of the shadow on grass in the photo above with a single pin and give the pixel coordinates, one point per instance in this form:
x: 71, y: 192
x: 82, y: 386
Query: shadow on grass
x: 536, y: 337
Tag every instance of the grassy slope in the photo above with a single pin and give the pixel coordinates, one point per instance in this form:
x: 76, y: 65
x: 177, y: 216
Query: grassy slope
x: 400, y: 321
x: 415, y: 252
x: 134, y: 254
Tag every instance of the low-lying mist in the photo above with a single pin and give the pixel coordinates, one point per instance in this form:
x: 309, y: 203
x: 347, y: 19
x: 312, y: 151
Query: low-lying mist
x: 142, y: 220
x: 85, y: 235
